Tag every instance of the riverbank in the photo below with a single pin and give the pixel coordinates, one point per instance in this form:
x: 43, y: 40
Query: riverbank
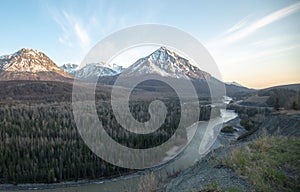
x: 233, y: 167
x: 182, y: 161
x: 66, y: 184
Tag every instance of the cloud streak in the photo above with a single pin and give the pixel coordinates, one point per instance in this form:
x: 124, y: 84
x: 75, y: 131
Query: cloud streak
x: 246, y: 31
x: 82, y: 34
x: 256, y: 53
x: 73, y: 30
x: 242, y: 23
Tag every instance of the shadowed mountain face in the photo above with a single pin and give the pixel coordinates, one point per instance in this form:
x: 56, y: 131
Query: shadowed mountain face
x: 29, y: 64
x: 166, y: 63
x: 169, y: 65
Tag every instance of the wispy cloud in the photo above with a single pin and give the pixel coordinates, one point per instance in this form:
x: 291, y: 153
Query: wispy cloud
x: 82, y: 34
x: 229, y: 51
x: 256, y: 54
x: 242, y: 23
x: 246, y: 31
x: 73, y: 31
x: 82, y: 24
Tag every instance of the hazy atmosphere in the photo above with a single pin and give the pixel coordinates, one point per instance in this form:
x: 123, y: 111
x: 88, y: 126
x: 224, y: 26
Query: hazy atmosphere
x: 255, y: 43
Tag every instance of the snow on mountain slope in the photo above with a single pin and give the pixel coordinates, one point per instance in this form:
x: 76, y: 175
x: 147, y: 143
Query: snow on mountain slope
x: 235, y: 84
x: 94, y: 69
x: 117, y: 68
x: 30, y: 64
x: 166, y: 63
x: 69, y: 68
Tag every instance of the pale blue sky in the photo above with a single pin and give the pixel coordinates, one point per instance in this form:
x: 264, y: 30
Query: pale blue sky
x: 256, y: 43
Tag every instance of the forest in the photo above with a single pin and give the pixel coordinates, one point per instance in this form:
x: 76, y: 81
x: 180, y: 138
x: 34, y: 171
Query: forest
x: 40, y: 142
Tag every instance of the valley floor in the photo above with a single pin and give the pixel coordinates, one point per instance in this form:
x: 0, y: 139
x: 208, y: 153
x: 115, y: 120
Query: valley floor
x: 230, y: 167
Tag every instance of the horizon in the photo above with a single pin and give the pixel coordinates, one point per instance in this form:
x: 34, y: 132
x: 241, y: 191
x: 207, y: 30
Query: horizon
x: 151, y: 50
x: 255, y: 43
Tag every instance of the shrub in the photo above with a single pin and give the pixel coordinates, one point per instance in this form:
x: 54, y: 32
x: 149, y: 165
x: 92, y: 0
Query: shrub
x: 228, y: 129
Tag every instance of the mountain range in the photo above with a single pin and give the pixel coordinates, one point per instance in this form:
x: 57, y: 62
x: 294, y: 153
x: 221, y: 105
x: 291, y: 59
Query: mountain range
x: 70, y: 68
x: 92, y: 70
x: 30, y: 64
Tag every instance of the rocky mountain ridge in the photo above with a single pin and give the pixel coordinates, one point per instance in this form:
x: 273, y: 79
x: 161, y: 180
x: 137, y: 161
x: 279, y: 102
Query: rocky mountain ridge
x: 30, y: 64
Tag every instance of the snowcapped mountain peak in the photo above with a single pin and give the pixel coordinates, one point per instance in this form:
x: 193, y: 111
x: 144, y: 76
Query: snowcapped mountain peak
x: 29, y: 51
x: 117, y: 68
x: 163, y: 54
x: 29, y: 61
x: 166, y: 63
x: 69, y: 65
x: 69, y: 68
x: 235, y: 84
x: 92, y: 70
x: 23, y: 51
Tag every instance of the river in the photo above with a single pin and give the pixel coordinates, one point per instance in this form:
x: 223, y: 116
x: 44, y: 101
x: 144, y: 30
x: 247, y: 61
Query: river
x: 196, y: 149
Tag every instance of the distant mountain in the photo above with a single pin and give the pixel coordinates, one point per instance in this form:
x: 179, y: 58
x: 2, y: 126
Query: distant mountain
x: 92, y: 70
x: 295, y: 87
x: 166, y: 63
x: 117, y: 68
x: 235, y: 84
x: 237, y: 90
x: 69, y: 68
x: 29, y: 64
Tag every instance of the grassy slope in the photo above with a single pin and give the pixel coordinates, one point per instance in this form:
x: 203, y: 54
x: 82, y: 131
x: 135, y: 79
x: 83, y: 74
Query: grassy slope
x: 270, y: 163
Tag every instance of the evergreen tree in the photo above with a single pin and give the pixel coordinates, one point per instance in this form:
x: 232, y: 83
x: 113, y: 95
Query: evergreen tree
x: 294, y: 105
x: 276, y: 105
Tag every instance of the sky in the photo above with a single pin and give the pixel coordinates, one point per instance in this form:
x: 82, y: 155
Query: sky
x: 255, y: 43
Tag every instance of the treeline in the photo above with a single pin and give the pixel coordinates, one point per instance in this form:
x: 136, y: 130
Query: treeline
x: 139, y: 110
x: 40, y: 143
x: 282, y: 98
